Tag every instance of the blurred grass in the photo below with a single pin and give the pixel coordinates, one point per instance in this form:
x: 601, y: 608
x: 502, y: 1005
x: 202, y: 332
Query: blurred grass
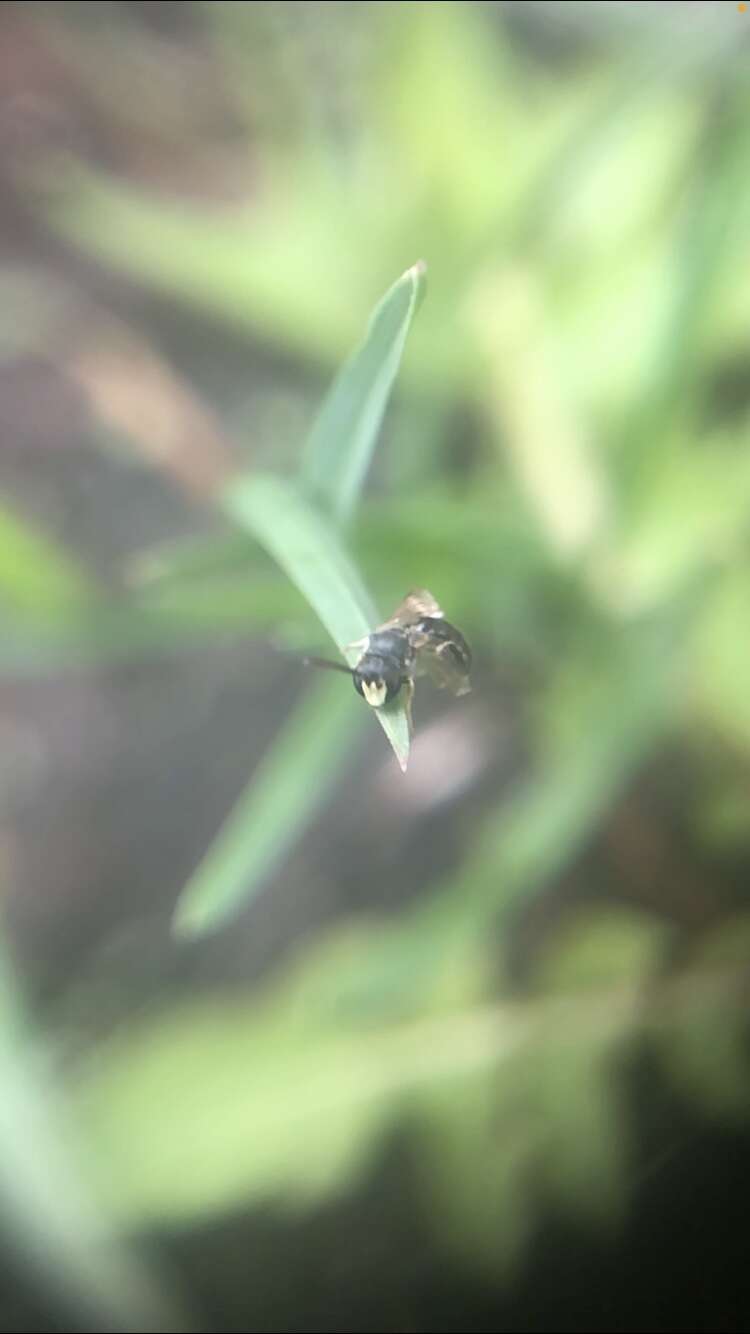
x: 36, y: 577
x: 292, y: 782
x: 60, y: 1234
x: 341, y: 443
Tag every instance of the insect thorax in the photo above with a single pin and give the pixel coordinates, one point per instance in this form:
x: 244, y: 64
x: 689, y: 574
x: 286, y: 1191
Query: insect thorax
x: 392, y: 646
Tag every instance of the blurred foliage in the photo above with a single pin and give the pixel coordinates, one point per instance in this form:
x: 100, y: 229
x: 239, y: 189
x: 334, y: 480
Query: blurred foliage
x: 50, y: 1222
x: 565, y: 466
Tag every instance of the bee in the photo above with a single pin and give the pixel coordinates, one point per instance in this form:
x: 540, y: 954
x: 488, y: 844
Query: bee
x: 415, y: 641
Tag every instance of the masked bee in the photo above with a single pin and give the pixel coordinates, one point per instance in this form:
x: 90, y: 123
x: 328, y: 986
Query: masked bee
x: 415, y: 641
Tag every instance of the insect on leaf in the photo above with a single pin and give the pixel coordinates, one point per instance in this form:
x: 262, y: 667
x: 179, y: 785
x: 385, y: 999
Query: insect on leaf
x: 309, y: 552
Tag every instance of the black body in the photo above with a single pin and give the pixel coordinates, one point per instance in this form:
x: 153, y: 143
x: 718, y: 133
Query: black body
x: 395, y: 655
x: 416, y: 641
x: 389, y: 657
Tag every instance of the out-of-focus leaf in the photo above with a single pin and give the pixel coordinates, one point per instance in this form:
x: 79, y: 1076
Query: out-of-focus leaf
x: 624, y: 715
x: 620, y: 718
x: 474, y: 1155
x: 35, y: 575
x: 717, y: 665
x: 727, y: 946
x: 343, y: 438
x: 710, y: 247
x: 574, y: 1093
x: 633, y: 157
x: 692, y: 517
x: 291, y: 784
x: 46, y: 1211
x: 173, y: 619
x: 600, y: 946
x: 264, y: 1100
x: 248, y: 269
x: 702, y: 1038
x: 307, y: 549
x: 282, y: 1098
x: 232, y: 601
x: 550, y: 1113
x: 258, y: 1115
x: 192, y: 558
x: 542, y: 432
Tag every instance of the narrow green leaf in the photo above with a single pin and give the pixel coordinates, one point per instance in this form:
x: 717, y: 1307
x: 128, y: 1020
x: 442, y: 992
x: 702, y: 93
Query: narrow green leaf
x: 266, y: 1101
x: 175, y: 618
x: 192, y: 558
x: 289, y: 787
x: 308, y: 550
x: 341, y: 443
x: 35, y: 575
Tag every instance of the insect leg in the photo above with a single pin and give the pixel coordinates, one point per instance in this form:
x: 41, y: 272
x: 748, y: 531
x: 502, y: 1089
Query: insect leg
x: 408, y: 688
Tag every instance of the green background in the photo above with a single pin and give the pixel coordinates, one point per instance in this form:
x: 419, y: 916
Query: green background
x: 254, y: 972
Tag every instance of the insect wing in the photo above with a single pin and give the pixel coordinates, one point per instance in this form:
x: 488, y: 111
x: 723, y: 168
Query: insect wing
x: 442, y: 654
x: 416, y: 605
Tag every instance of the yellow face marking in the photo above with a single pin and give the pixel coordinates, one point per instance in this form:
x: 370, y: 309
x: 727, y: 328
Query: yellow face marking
x: 375, y: 693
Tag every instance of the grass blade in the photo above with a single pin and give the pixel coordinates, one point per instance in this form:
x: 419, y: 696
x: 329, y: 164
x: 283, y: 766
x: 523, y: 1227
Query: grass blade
x: 341, y: 443
x: 190, y: 558
x: 37, y: 576
x: 290, y: 786
x: 308, y: 550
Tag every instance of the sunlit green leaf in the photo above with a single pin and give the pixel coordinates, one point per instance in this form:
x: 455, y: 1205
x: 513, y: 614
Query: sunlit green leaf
x: 266, y: 1100
x: 345, y: 432
x: 36, y: 576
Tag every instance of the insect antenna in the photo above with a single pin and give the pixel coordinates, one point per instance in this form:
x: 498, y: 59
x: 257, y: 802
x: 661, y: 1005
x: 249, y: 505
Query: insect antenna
x: 307, y: 661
